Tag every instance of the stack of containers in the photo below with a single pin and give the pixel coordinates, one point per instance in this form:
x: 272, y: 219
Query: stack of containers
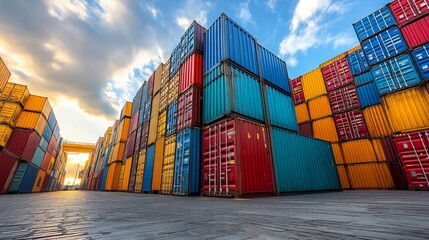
x: 104, y: 159
x: 243, y: 86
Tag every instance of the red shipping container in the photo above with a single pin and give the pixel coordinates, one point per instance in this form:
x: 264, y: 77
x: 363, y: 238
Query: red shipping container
x: 305, y: 129
x: 129, y: 148
x: 297, y: 91
x: 51, y: 145
x: 189, y: 108
x: 8, y: 165
x: 144, y: 135
x: 45, y: 183
x: 23, y: 143
x: 134, y: 122
x: 46, y: 161
x: 236, y: 159
x: 416, y: 33
x: 413, y: 150
x: 337, y: 74
x: 398, y: 175
x: 138, y: 140
x: 191, y: 73
x: 389, y: 149
x: 344, y: 99
x: 150, y: 87
x: 406, y: 11
x: 350, y: 125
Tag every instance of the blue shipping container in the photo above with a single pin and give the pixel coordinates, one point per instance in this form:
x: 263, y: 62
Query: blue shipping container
x: 302, y: 163
x: 171, y: 118
x: 52, y: 120
x: 421, y: 57
x: 281, y: 109
x: 25, y: 180
x: 137, y: 100
x: 106, y: 156
x: 363, y: 79
x: 38, y: 157
x: 368, y: 95
x: 56, y: 132
x: 148, y: 169
x: 145, y: 89
x: 175, y: 61
x: 395, y: 74
x: 233, y: 91
x: 103, y: 178
x: 374, y: 23
x: 192, y: 41
x: 48, y: 187
x: 357, y: 62
x: 274, y: 70
x: 18, y: 177
x: 225, y: 39
x: 147, y: 110
x: 47, y: 133
x: 43, y: 144
x: 384, y: 45
x: 187, y: 162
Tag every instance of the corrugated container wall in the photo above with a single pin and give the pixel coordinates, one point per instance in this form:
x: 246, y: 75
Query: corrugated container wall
x: 157, y: 165
x: 416, y: 33
x: 189, y: 108
x: 171, y: 119
x: 8, y: 165
x: 148, y: 169
x: 191, y: 73
x: 313, y: 84
x: 370, y: 176
x: 283, y: 116
x: 337, y: 74
x: 15, y: 93
x: 4, y: 75
x: 192, y: 41
x: 168, y: 165
x: 319, y: 107
x: 374, y: 23
x: 38, y: 104
x: 376, y: 120
x: 157, y: 79
x: 421, y: 58
x: 173, y: 88
x: 297, y: 90
x: 274, y: 70
x: 23, y: 143
x: 357, y: 62
x: 406, y: 11
x: 344, y: 99
x: 305, y: 129
x: 368, y: 95
x: 137, y: 100
x: 363, y: 79
x: 351, y: 125
x: 302, y: 114
x: 325, y: 129
x: 153, y: 125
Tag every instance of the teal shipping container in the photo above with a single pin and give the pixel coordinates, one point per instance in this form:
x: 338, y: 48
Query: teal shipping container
x: 38, y: 156
x: 280, y: 109
x: 230, y: 90
x: 302, y: 163
x: 24, y: 178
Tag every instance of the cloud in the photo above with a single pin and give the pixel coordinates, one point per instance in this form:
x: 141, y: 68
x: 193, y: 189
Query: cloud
x: 271, y: 4
x: 192, y: 10
x: 309, y: 28
x: 244, y: 13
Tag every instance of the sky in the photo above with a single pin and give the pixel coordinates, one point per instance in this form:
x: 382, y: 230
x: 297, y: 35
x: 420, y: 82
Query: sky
x: 90, y: 56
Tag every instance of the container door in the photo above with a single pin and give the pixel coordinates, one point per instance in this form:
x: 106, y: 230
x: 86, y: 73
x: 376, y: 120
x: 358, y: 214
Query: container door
x: 181, y: 165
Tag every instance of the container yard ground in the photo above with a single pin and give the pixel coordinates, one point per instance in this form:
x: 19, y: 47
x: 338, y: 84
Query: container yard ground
x: 115, y: 215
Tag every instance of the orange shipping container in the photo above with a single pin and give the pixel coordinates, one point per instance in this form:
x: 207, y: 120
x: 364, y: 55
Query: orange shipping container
x: 407, y: 110
x: 107, y: 136
x: 358, y: 151
x: 140, y: 170
x: 302, y: 114
x: 370, y: 176
x: 15, y: 93
x: 38, y: 104
x: 341, y: 56
x: 376, y: 121
x: 113, y: 176
x: 161, y: 124
x: 9, y: 113
x: 121, y: 177
x: 124, y: 127
x: 344, y: 179
x: 118, y: 152
x: 51, y: 166
x: 173, y: 88
x: 325, y: 129
x: 127, y: 110
x: 4, y: 75
x: 157, y: 80
x: 32, y: 120
x: 338, y: 154
x: 313, y: 84
x: 37, y: 186
x: 168, y: 165
x: 5, y: 132
x: 379, y: 151
x: 319, y: 107
x: 153, y: 125
x: 157, y: 165
x: 126, y: 175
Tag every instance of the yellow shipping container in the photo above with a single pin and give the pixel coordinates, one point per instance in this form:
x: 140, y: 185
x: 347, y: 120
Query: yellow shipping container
x: 140, y: 170
x: 379, y: 151
x: 338, y: 154
x: 173, y: 88
x: 407, y: 110
x: 358, y: 151
x: 376, y: 121
x: 124, y: 127
x: 107, y: 136
x: 153, y: 125
x: 38, y: 104
x: 354, y: 49
x: 313, y: 84
x: 127, y: 173
x: 9, y: 113
x: 4, y: 75
x: 302, y: 114
x: 118, y: 152
x: 51, y: 166
x: 163, y: 97
x: 37, y: 186
x: 15, y: 93
x: 32, y: 120
x: 341, y: 56
x: 319, y: 107
x: 5, y: 132
x: 113, y: 176
x: 161, y: 124
x: 121, y: 177
x: 157, y: 164
x: 325, y: 129
x: 168, y: 165
x: 165, y: 75
x: 344, y: 179
x: 7, y: 91
x: 370, y: 176
x: 157, y: 80
x: 126, y: 111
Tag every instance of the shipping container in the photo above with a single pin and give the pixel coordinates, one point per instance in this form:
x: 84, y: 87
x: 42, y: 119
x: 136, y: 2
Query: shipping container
x: 305, y: 129
x: 45, y: 183
x: 140, y: 170
x: 273, y: 69
x: 421, y: 58
x: 157, y: 79
x: 173, y: 88
x: 8, y: 165
x: 24, y: 178
x: 187, y: 162
x: 350, y: 125
x: 145, y: 89
x: 297, y: 90
x: 230, y: 90
x: 413, y: 150
x: 302, y: 114
x: 344, y: 99
x: 9, y: 113
x: 284, y: 116
x: 189, y: 108
x: 389, y: 149
x: 134, y: 122
x: 162, y: 118
x: 236, y: 159
x: 163, y: 93
x: 171, y: 121
x: 15, y: 93
x: 129, y: 147
x: 357, y: 62
x: 37, y: 186
x: 150, y: 86
x: 416, y: 33
x: 338, y: 153
x: 224, y: 40
x: 398, y: 175
x: 384, y: 45
x: 368, y: 95
x: 168, y: 165
x: 5, y: 133
x: 395, y: 74
x: 192, y: 41
x: 175, y: 61
x: 359, y: 151
x: 47, y: 133
x: 363, y: 79
x: 46, y: 161
x: 302, y: 163
x: 344, y: 178
x: 146, y: 110
x: 113, y: 174
x: 126, y: 110
x: 4, y: 75
x: 319, y: 107
x: 38, y: 104
x: 52, y: 120
x: 23, y: 143
x: 376, y: 121
x: 137, y: 101
x: 191, y: 73
x: 401, y: 109
x: 126, y: 174
x: 370, y: 176
x: 157, y: 165
x: 144, y: 135
x: 153, y: 124
x: 31, y: 120
x: 133, y: 171
x: 337, y: 74
x: 38, y: 156
x: 313, y: 84
x: 325, y: 129
x: 148, y: 169
x: 406, y: 11
x: 374, y: 23
x: 334, y: 59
